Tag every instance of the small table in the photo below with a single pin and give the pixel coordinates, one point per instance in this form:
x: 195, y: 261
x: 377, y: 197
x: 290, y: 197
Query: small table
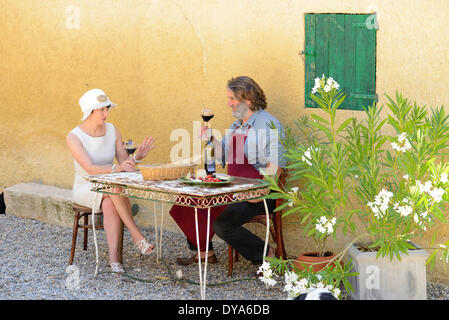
x: 132, y: 184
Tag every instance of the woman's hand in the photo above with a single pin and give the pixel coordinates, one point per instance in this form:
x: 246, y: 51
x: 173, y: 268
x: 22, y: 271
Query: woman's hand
x: 144, y: 148
x: 126, y: 165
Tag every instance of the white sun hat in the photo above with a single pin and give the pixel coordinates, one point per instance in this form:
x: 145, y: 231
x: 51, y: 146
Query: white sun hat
x: 94, y: 99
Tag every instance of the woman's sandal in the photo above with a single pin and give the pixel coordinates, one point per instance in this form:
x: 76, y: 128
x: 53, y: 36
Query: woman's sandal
x: 143, y: 245
x: 117, y: 268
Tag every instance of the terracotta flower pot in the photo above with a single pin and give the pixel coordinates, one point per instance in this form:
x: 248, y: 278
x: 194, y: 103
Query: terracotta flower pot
x: 312, y: 257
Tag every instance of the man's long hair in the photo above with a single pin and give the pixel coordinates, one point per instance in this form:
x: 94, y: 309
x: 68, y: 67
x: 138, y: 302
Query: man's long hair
x: 245, y: 88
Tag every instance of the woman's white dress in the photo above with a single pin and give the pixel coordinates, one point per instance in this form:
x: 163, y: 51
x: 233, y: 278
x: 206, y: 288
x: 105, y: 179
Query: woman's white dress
x: 101, y: 151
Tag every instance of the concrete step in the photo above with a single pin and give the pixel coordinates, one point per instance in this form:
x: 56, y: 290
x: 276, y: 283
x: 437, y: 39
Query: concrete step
x: 41, y: 202
x: 53, y: 205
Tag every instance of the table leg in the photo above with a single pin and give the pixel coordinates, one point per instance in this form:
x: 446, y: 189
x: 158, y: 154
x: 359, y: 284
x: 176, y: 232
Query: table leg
x: 160, y: 231
x: 199, y: 255
x: 267, y: 231
x: 207, y: 253
x: 95, y: 235
x: 156, y: 233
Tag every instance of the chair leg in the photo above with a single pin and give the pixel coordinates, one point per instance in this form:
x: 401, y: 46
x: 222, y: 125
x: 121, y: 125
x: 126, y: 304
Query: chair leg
x: 280, y: 250
x: 74, y: 235
x: 86, y: 221
x: 230, y: 260
x: 236, y: 258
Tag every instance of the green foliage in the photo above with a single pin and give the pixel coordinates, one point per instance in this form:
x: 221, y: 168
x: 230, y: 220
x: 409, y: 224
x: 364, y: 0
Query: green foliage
x: 396, y: 184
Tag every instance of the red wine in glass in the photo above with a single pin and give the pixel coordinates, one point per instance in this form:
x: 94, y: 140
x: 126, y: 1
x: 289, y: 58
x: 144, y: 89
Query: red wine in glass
x: 131, y: 150
x: 129, y: 147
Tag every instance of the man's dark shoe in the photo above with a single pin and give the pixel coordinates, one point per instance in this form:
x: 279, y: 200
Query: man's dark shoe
x: 194, y: 259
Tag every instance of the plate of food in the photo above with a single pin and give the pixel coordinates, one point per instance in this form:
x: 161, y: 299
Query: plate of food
x: 202, y: 179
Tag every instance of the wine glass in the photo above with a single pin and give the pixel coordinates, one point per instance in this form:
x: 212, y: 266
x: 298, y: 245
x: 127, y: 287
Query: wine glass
x: 206, y: 114
x: 130, y: 147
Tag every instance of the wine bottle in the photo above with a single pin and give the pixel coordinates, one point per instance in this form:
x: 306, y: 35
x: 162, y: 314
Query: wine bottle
x: 209, y: 153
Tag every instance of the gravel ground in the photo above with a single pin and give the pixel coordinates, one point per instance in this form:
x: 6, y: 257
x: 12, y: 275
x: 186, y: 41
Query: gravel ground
x: 34, y: 261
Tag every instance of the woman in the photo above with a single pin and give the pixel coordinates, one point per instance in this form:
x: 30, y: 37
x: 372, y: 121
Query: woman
x: 94, y: 145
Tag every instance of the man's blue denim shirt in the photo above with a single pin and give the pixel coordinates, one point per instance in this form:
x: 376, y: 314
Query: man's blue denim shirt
x: 263, y: 143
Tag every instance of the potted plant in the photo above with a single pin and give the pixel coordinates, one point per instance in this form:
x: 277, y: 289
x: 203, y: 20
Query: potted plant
x: 395, y: 185
x: 317, y: 194
x: 402, y: 187
x: 319, y: 157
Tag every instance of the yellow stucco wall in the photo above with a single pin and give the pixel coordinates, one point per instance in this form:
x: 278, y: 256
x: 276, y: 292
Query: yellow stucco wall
x: 162, y: 61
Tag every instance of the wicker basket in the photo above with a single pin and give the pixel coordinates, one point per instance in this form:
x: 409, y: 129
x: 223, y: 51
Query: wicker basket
x: 167, y: 171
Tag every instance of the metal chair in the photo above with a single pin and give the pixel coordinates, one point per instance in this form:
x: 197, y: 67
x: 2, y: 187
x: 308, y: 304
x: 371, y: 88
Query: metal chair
x: 275, y: 231
x: 85, y: 212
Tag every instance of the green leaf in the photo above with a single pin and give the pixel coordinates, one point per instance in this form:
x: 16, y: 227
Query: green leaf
x: 344, y: 125
x: 320, y: 119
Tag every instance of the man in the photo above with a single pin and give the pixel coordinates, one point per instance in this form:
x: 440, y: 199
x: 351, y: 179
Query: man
x: 252, y: 145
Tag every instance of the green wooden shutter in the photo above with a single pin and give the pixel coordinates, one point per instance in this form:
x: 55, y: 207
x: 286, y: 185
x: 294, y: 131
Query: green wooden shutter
x: 342, y: 47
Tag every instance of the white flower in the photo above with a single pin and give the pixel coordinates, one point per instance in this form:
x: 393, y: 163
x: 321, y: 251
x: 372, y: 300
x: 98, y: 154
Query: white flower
x: 415, y: 217
x: 336, y: 85
x: 269, y: 282
x: 320, y: 228
x: 402, y: 137
x: 403, y: 145
x: 317, y: 85
x: 267, y: 274
x: 381, y: 203
x: 443, y: 178
x: 404, y: 210
x: 337, y: 293
x: 307, y: 156
x: 437, y: 194
x: 290, y: 277
x: 427, y: 186
x: 327, y: 85
x: 324, y: 225
x: 406, y: 177
x: 294, y: 189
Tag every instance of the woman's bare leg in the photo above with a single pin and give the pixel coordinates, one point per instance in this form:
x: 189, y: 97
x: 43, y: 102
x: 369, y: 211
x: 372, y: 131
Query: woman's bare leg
x: 112, y: 227
x: 123, y: 207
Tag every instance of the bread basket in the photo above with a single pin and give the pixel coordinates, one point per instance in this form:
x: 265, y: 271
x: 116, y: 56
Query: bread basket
x: 168, y: 171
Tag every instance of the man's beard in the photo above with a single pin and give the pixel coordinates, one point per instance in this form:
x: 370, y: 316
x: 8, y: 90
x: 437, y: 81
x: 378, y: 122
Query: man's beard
x: 241, y: 111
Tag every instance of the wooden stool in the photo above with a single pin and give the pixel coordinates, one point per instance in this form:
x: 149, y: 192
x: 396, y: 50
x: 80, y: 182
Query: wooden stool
x: 85, y: 212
